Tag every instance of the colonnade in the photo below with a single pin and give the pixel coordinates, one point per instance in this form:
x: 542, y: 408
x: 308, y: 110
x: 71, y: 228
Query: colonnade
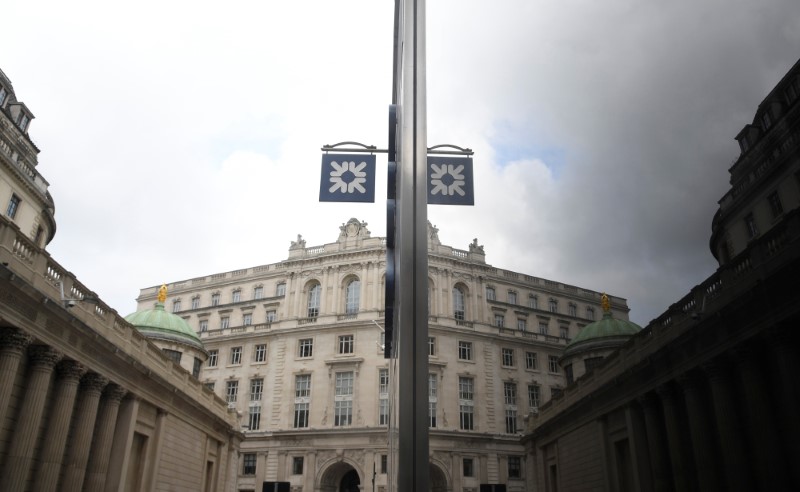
x: 727, y: 424
x: 64, y: 424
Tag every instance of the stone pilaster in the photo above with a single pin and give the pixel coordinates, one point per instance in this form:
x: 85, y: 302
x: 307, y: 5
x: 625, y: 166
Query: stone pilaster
x: 120, y: 455
x: 735, y: 465
x: 42, y: 360
x: 640, y: 452
x: 154, y: 458
x: 13, y: 343
x: 51, y: 456
x: 785, y: 367
x: 769, y: 464
x: 677, y: 450
x: 699, y: 425
x: 104, y: 433
x: 92, y: 385
x: 659, y: 458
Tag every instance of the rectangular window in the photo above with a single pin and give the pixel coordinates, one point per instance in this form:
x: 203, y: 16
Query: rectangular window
x: 750, y: 223
x: 297, y: 465
x: 260, y: 353
x: 573, y: 310
x: 280, y: 290
x: 533, y: 302
x: 247, y: 319
x: 231, y: 391
x: 465, y: 350
x: 514, y: 467
x: 508, y: 357
x: 512, y: 297
x: 466, y: 392
x: 212, y: 357
x: 211, y: 385
x: 258, y: 292
x: 542, y: 328
x: 305, y: 347
x: 195, y: 303
x: 431, y: 346
x: 590, y: 312
x: 174, y: 355
x: 346, y: 344
x: 215, y: 299
x: 302, y: 396
x: 224, y: 322
x: 271, y: 316
x: 511, y: 420
x: 256, y: 389
x: 499, y: 320
x: 553, y: 306
x: 552, y: 361
x: 531, y: 361
x: 490, y: 294
x: 383, y: 397
x: 203, y: 325
x: 522, y: 324
x: 433, y: 398
x: 775, y: 205
x: 343, y: 399
x: 254, y: 417
x: 13, y: 206
x: 236, y: 356
x: 249, y: 464
x: 384, y: 464
x: 176, y: 305
x: 383, y: 382
x: 468, y: 467
x: 237, y: 296
x: 383, y: 411
x: 563, y: 332
x: 533, y: 396
x: 510, y: 393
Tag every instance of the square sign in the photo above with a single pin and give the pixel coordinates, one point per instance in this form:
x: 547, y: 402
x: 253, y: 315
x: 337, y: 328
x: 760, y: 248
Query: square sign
x: 347, y: 178
x: 450, y: 181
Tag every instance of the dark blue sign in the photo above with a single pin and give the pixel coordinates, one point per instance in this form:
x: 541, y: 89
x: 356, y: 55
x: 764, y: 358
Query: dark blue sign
x: 450, y: 181
x: 347, y: 178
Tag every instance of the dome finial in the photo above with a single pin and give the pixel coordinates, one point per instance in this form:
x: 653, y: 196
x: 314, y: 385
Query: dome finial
x: 605, y: 303
x: 162, y: 293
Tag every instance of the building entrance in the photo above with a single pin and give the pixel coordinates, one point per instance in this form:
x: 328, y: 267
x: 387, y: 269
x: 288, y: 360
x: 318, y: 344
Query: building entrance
x: 350, y: 482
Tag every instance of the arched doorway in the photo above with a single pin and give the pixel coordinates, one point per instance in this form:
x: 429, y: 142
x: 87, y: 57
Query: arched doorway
x: 340, y: 477
x: 437, y: 479
x: 350, y: 482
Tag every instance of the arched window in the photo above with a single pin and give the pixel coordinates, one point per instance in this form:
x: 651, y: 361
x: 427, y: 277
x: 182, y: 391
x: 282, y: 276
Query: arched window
x: 352, y: 296
x: 314, y: 294
x: 459, y: 312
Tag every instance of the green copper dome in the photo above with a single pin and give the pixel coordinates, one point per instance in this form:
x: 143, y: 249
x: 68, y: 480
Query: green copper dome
x: 607, y: 329
x: 159, y: 324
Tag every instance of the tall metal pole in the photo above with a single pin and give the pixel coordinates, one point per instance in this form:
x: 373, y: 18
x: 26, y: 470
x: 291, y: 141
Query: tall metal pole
x: 412, y: 252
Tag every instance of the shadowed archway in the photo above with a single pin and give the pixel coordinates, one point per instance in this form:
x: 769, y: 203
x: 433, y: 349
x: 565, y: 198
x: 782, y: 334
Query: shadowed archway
x: 340, y: 477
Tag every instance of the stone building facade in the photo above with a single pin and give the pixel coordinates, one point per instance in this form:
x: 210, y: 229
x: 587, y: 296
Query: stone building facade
x: 706, y: 396
x: 296, y: 348
x: 87, y: 403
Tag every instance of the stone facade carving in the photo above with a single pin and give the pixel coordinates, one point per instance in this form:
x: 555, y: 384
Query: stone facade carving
x: 13, y: 340
x: 299, y: 244
x: 353, y: 228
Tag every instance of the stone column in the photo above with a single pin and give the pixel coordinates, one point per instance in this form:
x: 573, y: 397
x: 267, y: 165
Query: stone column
x: 736, y: 467
x: 120, y: 455
x: 310, y: 470
x: 699, y: 427
x: 785, y: 366
x: 769, y: 464
x: 104, y: 434
x: 92, y: 385
x: 325, y: 292
x: 154, y: 454
x: 52, y: 453
x: 13, y: 343
x: 659, y: 459
x: 640, y: 452
x: 677, y: 451
x: 42, y: 360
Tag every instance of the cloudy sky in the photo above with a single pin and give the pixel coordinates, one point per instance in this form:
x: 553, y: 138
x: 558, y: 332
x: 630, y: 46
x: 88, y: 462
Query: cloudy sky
x: 182, y: 139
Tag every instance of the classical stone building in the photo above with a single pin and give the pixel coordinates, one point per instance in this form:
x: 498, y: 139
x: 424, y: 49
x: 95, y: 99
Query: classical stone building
x: 706, y: 396
x: 296, y: 348
x: 87, y: 403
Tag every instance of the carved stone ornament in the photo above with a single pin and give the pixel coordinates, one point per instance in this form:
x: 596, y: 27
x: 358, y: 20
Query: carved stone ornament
x: 323, y: 457
x: 44, y: 356
x: 14, y: 340
x: 354, y: 228
x: 70, y: 370
x: 356, y: 455
x: 433, y: 234
x: 114, y: 393
x: 93, y: 383
x: 443, y: 458
x: 299, y: 244
x: 474, y: 247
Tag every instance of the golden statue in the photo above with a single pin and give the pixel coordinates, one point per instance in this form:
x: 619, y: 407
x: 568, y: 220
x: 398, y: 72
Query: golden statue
x: 162, y: 293
x: 605, y: 303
